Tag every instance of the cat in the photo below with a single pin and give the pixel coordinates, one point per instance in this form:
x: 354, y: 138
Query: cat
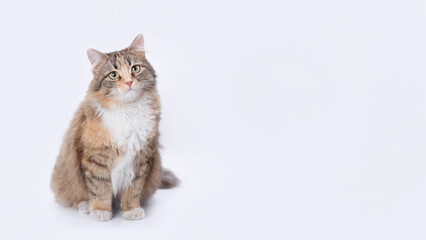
x: 110, y: 152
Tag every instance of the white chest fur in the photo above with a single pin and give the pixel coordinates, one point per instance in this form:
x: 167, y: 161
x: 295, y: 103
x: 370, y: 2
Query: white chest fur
x: 129, y: 127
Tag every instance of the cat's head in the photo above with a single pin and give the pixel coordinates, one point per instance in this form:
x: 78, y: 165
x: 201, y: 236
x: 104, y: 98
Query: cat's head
x: 121, y: 76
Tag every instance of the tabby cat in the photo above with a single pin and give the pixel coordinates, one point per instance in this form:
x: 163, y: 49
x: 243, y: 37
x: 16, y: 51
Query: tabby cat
x: 110, y: 153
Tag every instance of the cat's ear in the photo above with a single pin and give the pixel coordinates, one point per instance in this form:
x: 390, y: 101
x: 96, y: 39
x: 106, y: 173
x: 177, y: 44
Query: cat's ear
x: 95, y: 57
x: 138, y: 43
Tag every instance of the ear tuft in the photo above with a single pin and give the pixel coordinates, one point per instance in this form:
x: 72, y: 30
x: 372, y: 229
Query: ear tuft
x: 138, y: 43
x: 95, y: 57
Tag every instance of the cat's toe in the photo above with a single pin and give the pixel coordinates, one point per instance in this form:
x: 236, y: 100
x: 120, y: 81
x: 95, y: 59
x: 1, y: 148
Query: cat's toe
x: 101, y: 216
x: 134, y: 214
x: 84, y: 207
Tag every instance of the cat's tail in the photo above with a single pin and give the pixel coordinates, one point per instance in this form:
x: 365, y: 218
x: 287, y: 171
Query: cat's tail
x: 169, y: 179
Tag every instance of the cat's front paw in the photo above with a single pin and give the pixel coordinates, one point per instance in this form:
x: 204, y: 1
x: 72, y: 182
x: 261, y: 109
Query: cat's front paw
x: 134, y: 214
x: 101, y: 216
x: 84, y: 207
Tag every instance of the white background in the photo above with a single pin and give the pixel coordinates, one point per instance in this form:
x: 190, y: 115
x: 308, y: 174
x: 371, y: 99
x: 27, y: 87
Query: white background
x: 283, y: 119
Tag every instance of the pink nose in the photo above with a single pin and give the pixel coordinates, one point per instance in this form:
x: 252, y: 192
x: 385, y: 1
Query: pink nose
x: 129, y: 83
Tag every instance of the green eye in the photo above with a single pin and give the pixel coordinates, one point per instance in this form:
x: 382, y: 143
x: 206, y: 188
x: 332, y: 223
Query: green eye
x: 113, y: 75
x: 136, y: 69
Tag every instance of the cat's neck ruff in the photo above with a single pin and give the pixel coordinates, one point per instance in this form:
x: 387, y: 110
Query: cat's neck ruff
x: 129, y: 126
x: 125, y: 120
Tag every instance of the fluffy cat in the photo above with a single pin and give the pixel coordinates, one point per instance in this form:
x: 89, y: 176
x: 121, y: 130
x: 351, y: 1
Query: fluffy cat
x: 110, y: 152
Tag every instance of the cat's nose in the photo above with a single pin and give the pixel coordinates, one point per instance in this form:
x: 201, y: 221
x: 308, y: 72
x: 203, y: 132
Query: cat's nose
x: 129, y: 83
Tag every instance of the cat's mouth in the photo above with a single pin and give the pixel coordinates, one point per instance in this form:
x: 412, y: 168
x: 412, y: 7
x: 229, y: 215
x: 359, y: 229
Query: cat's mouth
x: 136, y: 90
x: 129, y: 94
x: 129, y: 90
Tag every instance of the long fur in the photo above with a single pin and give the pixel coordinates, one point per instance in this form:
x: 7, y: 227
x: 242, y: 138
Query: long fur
x: 111, y: 149
x: 169, y: 179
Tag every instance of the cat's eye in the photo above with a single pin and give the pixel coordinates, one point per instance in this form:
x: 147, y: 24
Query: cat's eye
x: 113, y: 75
x: 136, y: 69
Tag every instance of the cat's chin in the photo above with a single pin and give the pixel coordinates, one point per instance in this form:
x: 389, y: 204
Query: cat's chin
x: 129, y: 96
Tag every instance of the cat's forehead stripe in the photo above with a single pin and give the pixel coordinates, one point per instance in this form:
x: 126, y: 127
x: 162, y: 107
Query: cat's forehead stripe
x: 127, y: 59
x: 118, y: 59
x: 121, y: 61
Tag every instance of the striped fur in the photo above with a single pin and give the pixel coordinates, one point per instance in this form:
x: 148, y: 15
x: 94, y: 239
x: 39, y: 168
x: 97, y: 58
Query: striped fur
x: 111, y: 149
